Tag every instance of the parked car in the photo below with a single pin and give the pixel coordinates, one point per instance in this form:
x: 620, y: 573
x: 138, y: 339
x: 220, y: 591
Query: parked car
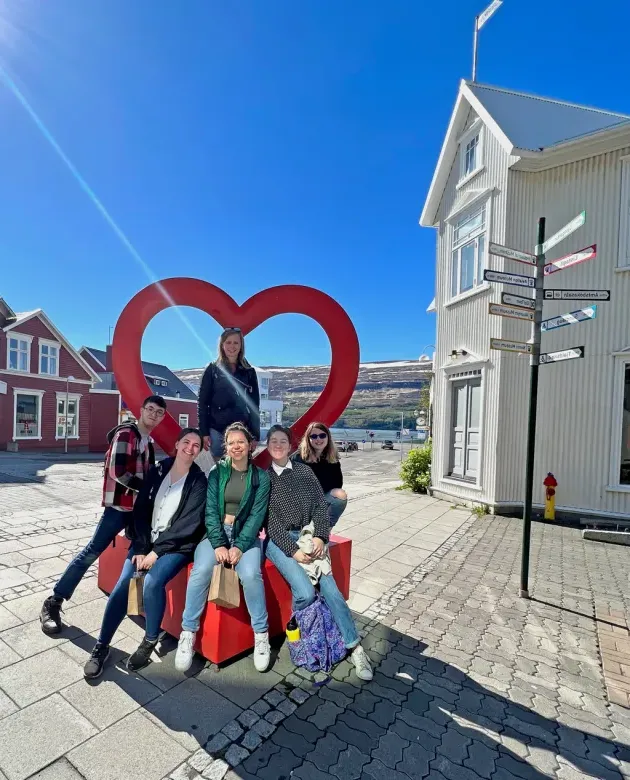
x: 341, y: 446
x: 352, y: 446
x: 387, y: 445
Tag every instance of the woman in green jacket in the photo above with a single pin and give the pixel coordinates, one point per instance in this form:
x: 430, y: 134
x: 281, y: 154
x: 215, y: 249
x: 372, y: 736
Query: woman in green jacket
x: 236, y: 506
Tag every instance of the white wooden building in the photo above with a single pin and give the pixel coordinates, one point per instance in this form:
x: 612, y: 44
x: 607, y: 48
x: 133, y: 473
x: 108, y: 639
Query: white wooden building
x: 507, y: 159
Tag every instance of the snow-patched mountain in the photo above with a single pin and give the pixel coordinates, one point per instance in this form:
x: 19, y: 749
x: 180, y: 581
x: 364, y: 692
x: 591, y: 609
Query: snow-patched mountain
x: 384, y: 389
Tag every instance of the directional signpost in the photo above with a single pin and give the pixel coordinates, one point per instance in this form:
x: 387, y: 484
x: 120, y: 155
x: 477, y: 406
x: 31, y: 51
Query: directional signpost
x: 514, y: 312
x: 577, y: 295
x: 588, y: 253
x: 518, y: 300
x: 511, y: 346
x: 563, y: 233
x: 512, y: 254
x: 572, y: 318
x: 563, y: 354
x: 518, y: 280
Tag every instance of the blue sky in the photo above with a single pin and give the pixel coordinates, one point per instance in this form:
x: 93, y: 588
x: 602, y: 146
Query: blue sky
x: 257, y: 143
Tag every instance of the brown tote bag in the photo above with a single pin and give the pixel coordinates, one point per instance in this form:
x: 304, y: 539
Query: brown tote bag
x: 225, y: 590
x: 135, y: 600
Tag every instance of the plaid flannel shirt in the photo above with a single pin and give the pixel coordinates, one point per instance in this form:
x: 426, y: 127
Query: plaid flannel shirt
x: 125, y: 468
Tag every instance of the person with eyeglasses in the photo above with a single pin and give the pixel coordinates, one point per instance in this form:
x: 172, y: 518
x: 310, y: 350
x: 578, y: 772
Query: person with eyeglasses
x: 317, y: 450
x: 229, y: 393
x: 127, y: 462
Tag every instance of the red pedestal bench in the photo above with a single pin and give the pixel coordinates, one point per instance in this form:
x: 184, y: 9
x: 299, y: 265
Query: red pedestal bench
x: 225, y: 633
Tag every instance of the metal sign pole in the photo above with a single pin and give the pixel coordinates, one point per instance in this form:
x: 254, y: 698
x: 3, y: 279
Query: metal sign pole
x: 475, y: 39
x: 533, y: 405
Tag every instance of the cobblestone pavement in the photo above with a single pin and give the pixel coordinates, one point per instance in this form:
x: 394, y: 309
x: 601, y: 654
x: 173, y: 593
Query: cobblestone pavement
x: 471, y: 681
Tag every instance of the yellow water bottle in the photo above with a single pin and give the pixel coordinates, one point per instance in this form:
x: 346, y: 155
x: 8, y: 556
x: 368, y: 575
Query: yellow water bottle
x: 293, y: 630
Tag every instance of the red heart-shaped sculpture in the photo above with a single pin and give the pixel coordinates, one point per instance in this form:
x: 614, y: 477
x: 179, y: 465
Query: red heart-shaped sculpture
x: 286, y: 299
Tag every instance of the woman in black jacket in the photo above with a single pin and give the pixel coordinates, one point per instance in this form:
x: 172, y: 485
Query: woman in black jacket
x: 166, y: 526
x: 228, y: 393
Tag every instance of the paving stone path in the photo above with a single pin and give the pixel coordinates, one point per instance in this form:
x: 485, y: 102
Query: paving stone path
x: 471, y: 681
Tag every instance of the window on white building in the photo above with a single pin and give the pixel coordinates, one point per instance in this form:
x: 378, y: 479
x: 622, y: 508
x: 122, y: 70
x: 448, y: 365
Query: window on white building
x: 264, y: 388
x: 48, y: 358
x: 27, y: 422
x: 69, y: 418
x: 19, y: 353
x: 265, y: 418
x: 624, y: 471
x: 183, y: 420
x: 469, y: 249
x: 624, y: 217
x: 471, y: 152
x: 465, y: 426
x: 278, y: 417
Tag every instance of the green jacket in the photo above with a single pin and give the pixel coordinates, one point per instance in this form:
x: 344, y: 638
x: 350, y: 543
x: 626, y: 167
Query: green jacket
x: 251, y: 511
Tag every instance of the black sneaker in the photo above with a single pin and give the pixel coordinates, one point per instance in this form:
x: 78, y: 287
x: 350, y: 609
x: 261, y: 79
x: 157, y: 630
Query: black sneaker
x: 94, y: 666
x: 142, y: 655
x: 50, y: 616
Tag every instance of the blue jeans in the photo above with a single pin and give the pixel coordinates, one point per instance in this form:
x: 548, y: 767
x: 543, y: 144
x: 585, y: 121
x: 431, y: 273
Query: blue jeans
x: 249, y: 573
x: 153, y: 592
x: 336, y: 507
x: 303, y: 591
x: 217, y: 448
x: 109, y: 526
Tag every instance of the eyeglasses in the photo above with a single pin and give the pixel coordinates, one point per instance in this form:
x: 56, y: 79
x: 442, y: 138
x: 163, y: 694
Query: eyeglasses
x: 154, y: 411
x: 315, y: 436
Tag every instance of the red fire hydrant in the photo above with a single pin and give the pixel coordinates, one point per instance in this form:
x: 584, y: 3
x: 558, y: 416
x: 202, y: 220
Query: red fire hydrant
x: 550, y: 484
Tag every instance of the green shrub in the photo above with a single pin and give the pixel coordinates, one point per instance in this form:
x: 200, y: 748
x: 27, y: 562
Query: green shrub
x: 415, y: 471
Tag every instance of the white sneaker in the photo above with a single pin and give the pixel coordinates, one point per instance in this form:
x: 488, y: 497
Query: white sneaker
x: 185, y: 653
x: 362, y: 663
x: 262, y: 652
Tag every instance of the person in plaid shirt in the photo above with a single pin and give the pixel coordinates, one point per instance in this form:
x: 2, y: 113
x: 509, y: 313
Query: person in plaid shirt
x: 128, y: 459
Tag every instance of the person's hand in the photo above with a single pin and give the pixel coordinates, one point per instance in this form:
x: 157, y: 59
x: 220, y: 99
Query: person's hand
x: 148, y: 561
x: 234, y: 555
x: 319, y: 547
x: 206, y: 442
x: 222, y: 554
x: 137, y: 561
x: 302, y: 557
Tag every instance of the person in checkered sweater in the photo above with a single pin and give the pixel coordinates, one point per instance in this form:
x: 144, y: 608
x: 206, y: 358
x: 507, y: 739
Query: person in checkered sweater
x: 128, y: 459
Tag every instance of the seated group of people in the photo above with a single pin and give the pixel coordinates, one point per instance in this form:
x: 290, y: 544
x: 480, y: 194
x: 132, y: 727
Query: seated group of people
x: 173, y: 514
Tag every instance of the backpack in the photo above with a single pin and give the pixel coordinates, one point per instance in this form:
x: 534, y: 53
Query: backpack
x: 320, y: 645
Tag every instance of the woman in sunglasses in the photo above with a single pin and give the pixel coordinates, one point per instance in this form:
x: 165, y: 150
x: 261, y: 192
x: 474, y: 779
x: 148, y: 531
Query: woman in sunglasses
x: 228, y: 393
x: 317, y: 449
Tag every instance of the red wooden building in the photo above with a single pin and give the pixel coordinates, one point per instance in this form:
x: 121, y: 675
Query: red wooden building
x: 39, y: 372
x: 45, y: 384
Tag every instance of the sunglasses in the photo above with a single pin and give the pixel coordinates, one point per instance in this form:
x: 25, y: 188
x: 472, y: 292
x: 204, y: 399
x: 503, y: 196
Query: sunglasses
x: 315, y: 436
x: 231, y: 330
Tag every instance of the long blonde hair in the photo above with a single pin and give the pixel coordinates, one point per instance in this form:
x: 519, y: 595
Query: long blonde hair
x: 308, y: 454
x: 240, y: 360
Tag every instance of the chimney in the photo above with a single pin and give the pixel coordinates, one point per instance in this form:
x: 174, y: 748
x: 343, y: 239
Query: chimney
x: 109, y: 366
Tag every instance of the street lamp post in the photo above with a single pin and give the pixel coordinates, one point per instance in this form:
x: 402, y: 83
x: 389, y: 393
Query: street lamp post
x: 68, y: 380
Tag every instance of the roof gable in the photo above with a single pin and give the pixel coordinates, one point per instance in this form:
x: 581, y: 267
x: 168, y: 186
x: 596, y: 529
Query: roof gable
x: 523, y: 124
x: 22, y: 317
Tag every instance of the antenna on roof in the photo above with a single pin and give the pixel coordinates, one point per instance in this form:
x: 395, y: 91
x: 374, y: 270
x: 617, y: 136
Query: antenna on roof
x: 479, y: 23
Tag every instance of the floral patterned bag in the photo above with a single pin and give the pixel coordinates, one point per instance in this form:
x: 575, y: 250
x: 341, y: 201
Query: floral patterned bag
x: 320, y: 645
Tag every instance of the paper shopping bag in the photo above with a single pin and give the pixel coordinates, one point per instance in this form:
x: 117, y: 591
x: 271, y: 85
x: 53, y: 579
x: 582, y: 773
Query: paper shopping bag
x: 135, y: 601
x: 225, y: 590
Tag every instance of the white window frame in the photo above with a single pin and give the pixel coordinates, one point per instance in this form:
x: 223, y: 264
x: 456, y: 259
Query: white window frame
x: 55, y: 345
x: 184, y: 424
x: 27, y: 391
x: 455, y: 373
x: 20, y: 337
x: 622, y: 360
x: 476, y: 130
x: 480, y: 263
x: 76, y: 397
x: 623, y: 260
